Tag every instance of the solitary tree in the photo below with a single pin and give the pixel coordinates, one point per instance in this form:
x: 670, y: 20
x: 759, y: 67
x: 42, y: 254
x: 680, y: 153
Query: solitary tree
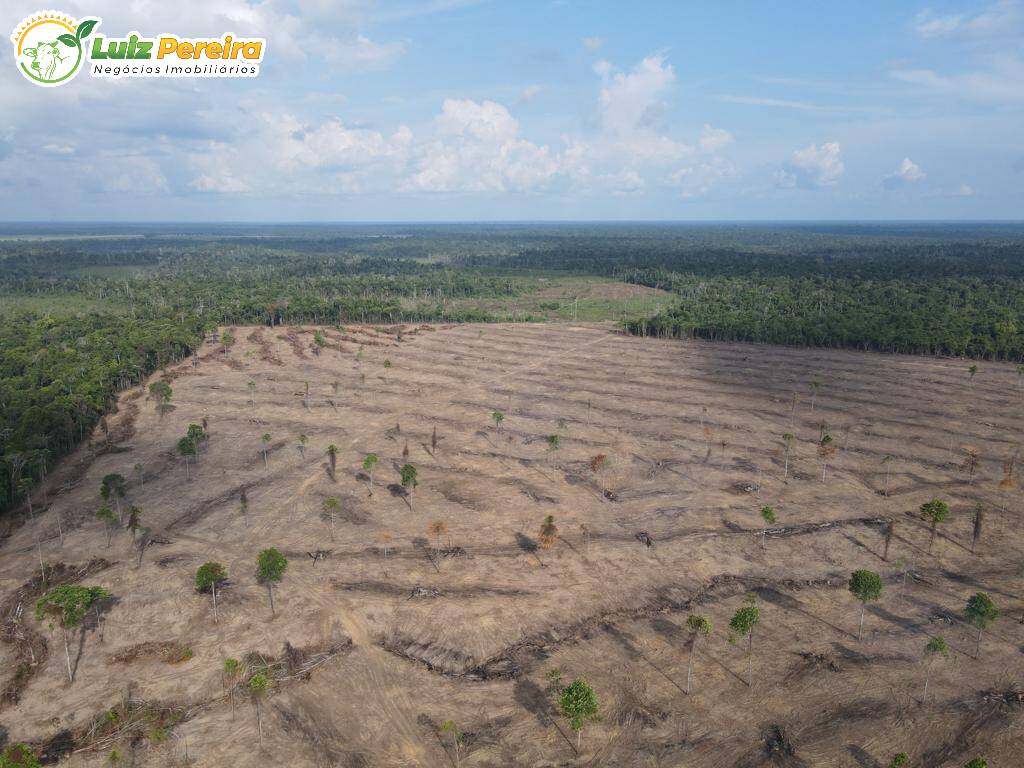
x: 788, y: 439
x: 113, y: 488
x: 498, y: 417
x: 332, y: 459
x: 742, y: 625
x: 196, y: 434
x: 68, y: 605
x: 451, y: 730
x: 900, y: 760
x: 331, y: 507
x: 161, y: 392
x: 266, y: 444
x: 980, y: 612
x: 208, y: 578
x: 970, y: 463
x: 232, y: 669
x: 409, y: 480
x: 369, y: 463
x: 768, y: 515
x: 243, y: 506
x: 887, y: 533
x: 270, y: 568
x: 302, y: 445
x: 134, y: 520
x: 826, y: 450
x: 552, y: 442
x: 186, y: 449
x: 866, y: 586
x: 252, y: 394
x: 109, y: 519
x: 258, y: 685
x: 548, y: 532
x: 972, y: 371
x: 935, y: 511
x: 699, y: 627
x: 978, y: 762
x: 933, y: 649
x: 815, y: 385
x: 579, y: 706
x: 979, y: 518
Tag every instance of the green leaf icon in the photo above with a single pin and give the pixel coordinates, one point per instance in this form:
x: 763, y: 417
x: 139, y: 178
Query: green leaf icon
x: 68, y: 40
x: 85, y: 28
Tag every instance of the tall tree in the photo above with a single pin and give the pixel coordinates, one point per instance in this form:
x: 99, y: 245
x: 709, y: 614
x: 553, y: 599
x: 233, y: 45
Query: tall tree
x: 266, y: 438
x: 106, y: 515
x: 112, y: 488
x: 68, y: 606
x: 980, y: 612
x: 369, y: 462
x: 579, y: 705
x: 978, y: 520
x: 252, y: 394
x: 409, y: 479
x: 451, y: 730
x: 270, y: 568
x: 933, y: 649
x: 970, y: 463
x: 161, y: 392
x: 699, y: 626
x: 788, y: 439
x: 769, y: 518
x: 186, y: 449
x: 742, y: 625
x: 331, y: 507
x: 887, y: 533
x: 332, y: 459
x: 134, y: 520
x: 866, y: 586
x: 935, y: 511
x: 302, y: 445
x: 232, y: 669
x: 498, y: 417
x: 437, y: 529
x: 243, y: 506
x: 258, y: 685
x: 209, y: 577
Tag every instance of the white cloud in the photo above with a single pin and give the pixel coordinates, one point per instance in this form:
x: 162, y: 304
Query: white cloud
x: 714, y: 139
x: 629, y: 100
x: 1001, y: 18
x: 908, y: 172
x: 965, y: 190
x: 531, y: 91
x: 592, y: 43
x: 813, y: 167
x: 1000, y: 83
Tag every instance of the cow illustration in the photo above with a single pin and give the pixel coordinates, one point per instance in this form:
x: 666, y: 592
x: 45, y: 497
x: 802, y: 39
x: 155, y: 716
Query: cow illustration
x: 45, y: 58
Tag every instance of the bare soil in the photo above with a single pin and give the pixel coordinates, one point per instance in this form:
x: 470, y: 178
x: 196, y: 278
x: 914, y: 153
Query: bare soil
x: 369, y: 655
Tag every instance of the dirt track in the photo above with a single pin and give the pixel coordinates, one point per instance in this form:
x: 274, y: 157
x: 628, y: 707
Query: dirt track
x: 692, y: 439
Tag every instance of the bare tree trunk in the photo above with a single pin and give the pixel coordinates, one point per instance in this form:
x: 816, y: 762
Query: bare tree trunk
x: 259, y: 721
x: 213, y: 589
x: 860, y: 628
x: 750, y: 658
x: 977, y: 645
x: 927, y: 676
x: 689, y: 666
x: 67, y: 655
x: 270, y: 591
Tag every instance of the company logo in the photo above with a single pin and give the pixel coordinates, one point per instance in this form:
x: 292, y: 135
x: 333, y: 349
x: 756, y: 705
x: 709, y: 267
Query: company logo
x: 48, y: 47
x: 51, y: 47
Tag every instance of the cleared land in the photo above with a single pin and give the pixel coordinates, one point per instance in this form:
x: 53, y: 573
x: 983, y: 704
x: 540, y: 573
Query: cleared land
x: 466, y: 625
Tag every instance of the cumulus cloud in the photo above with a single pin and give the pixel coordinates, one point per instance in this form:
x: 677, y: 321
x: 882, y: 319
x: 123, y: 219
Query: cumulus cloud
x: 907, y: 173
x: 813, y: 167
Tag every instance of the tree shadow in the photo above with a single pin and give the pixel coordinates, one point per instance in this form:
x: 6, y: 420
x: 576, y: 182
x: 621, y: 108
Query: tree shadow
x: 863, y: 758
x: 787, y: 602
x: 528, y: 546
x: 535, y: 700
x: 626, y: 641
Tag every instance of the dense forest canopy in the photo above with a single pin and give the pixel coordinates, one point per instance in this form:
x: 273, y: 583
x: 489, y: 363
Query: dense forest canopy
x: 86, y: 310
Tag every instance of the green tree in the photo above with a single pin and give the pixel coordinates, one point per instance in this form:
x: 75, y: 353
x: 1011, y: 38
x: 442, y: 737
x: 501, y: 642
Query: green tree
x: 579, y: 705
x: 933, y: 649
x: 369, y: 463
x: 742, y: 625
x: 68, y: 605
x: 451, y: 730
x: 270, y: 568
x: 161, y: 392
x: 935, y: 511
x: 498, y: 417
x: 769, y: 517
x: 197, y: 435
x: 232, y: 669
x: 980, y: 612
x: 978, y: 762
x: 332, y: 459
x: 186, y: 449
x: 258, y: 685
x: 900, y: 760
x: 227, y: 341
x: 113, y: 488
x: 109, y: 519
x: 265, y: 439
x: 553, y: 441
x: 699, y: 626
x: 302, y: 445
x: 209, y: 577
x: 866, y: 586
x: 409, y: 478
x: 19, y: 756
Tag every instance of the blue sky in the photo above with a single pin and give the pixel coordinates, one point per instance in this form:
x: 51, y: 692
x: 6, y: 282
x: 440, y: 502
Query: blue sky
x: 453, y: 109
